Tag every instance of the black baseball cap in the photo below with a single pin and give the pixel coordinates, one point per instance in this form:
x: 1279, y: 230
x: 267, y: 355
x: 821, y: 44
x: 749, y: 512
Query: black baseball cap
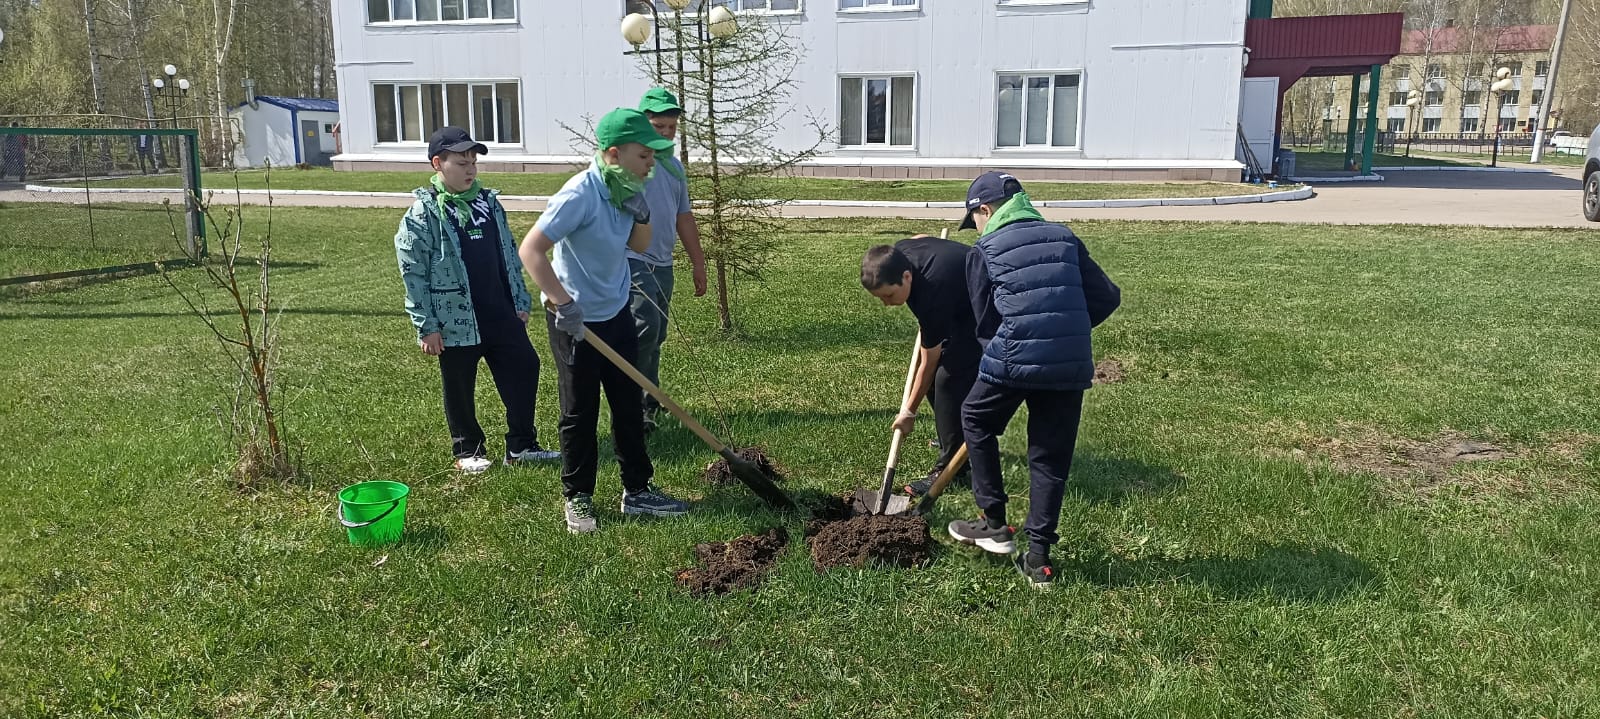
x: 453, y: 139
x: 991, y: 188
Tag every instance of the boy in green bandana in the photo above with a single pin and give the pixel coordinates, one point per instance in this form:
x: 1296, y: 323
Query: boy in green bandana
x: 588, y: 227
x: 467, y: 300
x: 671, y: 220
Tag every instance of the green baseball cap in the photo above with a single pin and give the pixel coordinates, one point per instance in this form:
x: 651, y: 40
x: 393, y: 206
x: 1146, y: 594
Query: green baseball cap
x: 624, y: 125
x: 659, y: 100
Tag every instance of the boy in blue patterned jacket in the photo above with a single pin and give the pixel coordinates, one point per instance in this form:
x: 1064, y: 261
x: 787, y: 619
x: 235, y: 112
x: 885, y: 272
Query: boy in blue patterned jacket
x: 467, y: 300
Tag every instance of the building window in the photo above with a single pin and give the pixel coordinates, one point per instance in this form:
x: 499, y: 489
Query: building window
x: 878, y: 4
x: 1541, y: 68
x: 1514, y: 67
x: 1537, y: 98
x: 1397, y: 124
x: 1397, y: 98
x: 1472, y: 98
x: 1430, y: 124
x: 877, y: 111
x: 1433, y: 98
x: 695, y: 6
x: 410, y: 112
x: 440, y: 10
x: 1469, y: 124
x: 1435, y: 70
x: 1475, y: 71
x: 1038, y: 110
x: 1402, y: 72
x: 1511, y: 97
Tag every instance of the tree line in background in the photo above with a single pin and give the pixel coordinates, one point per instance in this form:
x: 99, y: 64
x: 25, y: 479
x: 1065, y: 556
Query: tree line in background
x: 1477, y: 28
x: 97, y: 57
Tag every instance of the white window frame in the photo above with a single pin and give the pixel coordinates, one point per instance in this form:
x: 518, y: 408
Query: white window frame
x: 465, y: 8
x: 1478, y: 128
x: 878, y: 6
x: 994, y: 136
x: 472, y: 110
x: 1438, y: 124
x: 629, y: 6
x: 888, y: 111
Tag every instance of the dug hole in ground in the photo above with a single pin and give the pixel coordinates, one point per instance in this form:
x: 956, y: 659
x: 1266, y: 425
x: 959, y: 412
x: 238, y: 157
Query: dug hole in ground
x: 839, y: 533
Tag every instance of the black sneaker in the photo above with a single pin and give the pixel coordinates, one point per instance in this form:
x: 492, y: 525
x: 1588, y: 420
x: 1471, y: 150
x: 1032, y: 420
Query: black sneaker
x: 1036, y: 568
x: 921, y: 487
x: 653, y: 501
x: 977, y: 532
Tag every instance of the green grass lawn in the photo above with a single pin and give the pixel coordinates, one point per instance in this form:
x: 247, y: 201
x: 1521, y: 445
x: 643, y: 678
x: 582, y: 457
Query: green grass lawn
x: 1316, y: 159
x: 800, y: 188
x: 1212, y: 564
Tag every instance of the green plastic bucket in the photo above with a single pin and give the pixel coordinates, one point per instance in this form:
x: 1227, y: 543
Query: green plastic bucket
x: 373, y: 513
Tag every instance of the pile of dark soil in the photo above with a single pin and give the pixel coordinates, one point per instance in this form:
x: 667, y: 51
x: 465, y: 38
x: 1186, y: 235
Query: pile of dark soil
x: 719, y: 473
x: 844, y: 535
x: 725, y: 566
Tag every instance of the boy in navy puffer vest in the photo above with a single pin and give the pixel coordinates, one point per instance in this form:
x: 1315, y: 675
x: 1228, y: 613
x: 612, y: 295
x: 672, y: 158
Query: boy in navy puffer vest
x: 1035, y: 295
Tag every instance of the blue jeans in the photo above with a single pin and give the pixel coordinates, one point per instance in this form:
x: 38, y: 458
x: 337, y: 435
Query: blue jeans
x: 651, y: 298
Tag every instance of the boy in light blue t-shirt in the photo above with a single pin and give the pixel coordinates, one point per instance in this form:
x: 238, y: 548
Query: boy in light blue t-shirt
x: 588, y: 227
x: 671, y: 220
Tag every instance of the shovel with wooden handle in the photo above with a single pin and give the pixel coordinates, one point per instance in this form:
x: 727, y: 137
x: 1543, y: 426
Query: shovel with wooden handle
x: 886, y: 500
x: 957, y: 462
x: 745, y: 470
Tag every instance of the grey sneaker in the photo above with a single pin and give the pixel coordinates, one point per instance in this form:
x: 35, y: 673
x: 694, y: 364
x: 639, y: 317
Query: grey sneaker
x: 536, y: 454
x: 580, y: 515
x: 654, y: 502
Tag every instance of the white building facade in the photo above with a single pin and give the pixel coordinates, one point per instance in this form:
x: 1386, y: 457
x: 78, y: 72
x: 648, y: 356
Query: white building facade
x: 1125, y: 90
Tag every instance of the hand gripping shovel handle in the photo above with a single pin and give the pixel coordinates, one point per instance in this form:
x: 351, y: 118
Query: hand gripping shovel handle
x: 885, y: 490
x: 744, y: 470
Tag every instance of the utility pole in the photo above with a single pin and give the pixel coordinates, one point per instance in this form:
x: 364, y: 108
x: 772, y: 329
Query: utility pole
x: 1550, y: 82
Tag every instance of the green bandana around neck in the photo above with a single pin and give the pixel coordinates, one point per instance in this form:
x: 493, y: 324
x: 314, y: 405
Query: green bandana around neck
x: 621, y: 183
x: 1016, y: 209
x: 459, y: 199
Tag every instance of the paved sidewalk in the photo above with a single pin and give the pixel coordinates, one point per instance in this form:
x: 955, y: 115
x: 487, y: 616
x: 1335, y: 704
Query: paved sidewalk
x: 1417, y: 197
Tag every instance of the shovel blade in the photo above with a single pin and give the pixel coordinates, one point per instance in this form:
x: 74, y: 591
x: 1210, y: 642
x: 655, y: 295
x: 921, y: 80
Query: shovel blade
x: 757, y: 481
x: 866, y: 501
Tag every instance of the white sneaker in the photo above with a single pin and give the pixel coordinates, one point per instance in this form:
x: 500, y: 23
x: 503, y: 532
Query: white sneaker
x: 473, y: 465
x: 537, y: 454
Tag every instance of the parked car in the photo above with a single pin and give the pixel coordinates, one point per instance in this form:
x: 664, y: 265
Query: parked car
x: 1591, y: 179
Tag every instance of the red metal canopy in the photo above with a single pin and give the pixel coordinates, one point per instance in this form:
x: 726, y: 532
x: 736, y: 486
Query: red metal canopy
x: 1290, y: 48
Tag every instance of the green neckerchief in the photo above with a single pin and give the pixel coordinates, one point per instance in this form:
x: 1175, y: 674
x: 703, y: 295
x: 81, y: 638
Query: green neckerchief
x: 1016, y: 209
x: 672, y: 168
x: 620, y: 182
x: 459, y: 199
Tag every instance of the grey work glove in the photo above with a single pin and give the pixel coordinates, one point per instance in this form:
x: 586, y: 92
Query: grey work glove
x: 569, y: 319
x: 638, y: 207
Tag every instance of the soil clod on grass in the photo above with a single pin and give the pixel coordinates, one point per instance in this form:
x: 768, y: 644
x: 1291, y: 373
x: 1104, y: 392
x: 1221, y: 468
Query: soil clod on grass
x: 842, y: 535
x: 743, y: 562
x: 719, y: 473
x: 1109, y: 371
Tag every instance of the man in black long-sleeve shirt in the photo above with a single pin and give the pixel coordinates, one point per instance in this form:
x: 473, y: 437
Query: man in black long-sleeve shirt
x: 928, y: 275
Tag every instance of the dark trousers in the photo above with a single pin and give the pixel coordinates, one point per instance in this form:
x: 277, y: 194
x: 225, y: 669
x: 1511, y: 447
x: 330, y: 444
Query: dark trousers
x: 949, y: 391
x: 1052, y: 435
x: 515, y: 367
x: 581, y: 373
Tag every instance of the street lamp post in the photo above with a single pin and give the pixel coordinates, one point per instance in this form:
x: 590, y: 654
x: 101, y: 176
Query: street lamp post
x: 709, y: 27
x: 173, y: 91
x: 1502, y: 83
x: 1413, y: 99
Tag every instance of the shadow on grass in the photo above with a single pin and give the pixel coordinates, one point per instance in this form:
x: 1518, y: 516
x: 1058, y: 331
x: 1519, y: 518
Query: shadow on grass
x: 1102, y: 478
x: 1289, y: 572
x: 31, y: 290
